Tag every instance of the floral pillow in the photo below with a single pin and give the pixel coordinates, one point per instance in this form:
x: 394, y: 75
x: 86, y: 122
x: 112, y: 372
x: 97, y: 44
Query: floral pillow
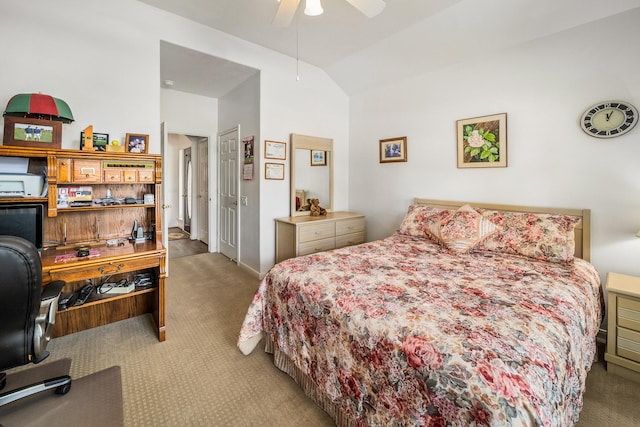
x: 547, y: 237
x: 462, y: 231
x: 419, y: 217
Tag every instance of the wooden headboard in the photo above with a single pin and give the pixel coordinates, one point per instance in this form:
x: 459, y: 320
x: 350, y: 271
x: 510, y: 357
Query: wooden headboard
x: 582, y: 229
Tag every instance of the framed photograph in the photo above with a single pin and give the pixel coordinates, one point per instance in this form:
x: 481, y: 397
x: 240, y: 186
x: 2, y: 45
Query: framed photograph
x: 275, y: 150
x: 100, y: 141
x: 137, y: 143
x: 274, y: 171
x: 27, y: 132
x: 247, y: 143
x: 318, y: 158
x: 393, y: 150
x: 482, y: 142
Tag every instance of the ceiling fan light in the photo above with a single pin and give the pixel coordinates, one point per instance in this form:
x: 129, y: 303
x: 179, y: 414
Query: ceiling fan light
x: 313, y: 8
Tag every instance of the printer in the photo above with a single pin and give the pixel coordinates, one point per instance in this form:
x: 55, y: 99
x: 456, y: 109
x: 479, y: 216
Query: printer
x: 21, y: 185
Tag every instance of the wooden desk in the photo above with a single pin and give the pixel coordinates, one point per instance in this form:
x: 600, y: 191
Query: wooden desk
x: 111, y: 264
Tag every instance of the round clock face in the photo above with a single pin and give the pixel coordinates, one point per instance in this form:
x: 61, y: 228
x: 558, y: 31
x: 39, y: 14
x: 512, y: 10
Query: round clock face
x: 609, y: 119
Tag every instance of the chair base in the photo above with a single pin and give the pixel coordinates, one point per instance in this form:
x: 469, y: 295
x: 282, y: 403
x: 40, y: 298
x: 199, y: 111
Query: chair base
x: 62, y: 385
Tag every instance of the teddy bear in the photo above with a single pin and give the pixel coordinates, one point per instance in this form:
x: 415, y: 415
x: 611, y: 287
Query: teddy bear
x: 315, y: 208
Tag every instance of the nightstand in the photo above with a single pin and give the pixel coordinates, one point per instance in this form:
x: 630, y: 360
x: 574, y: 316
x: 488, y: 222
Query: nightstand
x: 623, y: 336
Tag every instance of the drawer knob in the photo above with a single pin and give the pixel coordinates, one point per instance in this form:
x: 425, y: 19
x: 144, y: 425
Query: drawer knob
x: 102, y: 270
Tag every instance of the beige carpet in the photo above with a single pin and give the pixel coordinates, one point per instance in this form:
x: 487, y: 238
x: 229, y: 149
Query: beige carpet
x: 199, y: 378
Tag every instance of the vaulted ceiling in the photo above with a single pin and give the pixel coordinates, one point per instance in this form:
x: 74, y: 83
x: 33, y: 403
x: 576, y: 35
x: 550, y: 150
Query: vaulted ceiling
x: 409, y: 36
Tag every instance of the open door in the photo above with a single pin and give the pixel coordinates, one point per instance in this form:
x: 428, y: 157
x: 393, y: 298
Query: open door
x: 187, y: 189
x: 203, y: 190
x: 164, y: 140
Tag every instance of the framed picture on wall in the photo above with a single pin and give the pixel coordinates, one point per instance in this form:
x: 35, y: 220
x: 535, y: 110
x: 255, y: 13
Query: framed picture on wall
x: 274, y: 171
x: 275, y: 150
x: 393, y: 150
x: 482, y: 141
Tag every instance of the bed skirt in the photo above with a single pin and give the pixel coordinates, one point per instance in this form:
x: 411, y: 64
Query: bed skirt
x: 284, y: 363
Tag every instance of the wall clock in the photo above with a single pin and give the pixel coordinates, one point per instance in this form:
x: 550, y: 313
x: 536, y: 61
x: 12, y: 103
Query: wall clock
x: 608, y: 119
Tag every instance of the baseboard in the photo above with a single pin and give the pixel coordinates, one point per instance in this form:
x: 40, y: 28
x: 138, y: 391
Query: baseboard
x: 251, y: 271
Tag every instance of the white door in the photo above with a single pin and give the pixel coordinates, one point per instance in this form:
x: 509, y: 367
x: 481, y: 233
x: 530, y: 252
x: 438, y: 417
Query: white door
x: 203, y: 190
x: 187, y: 189
x: 164, y: 148
x: 228, y: 182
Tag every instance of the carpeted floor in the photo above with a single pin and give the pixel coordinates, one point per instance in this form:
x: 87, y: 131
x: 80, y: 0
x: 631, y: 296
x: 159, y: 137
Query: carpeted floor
x: 198, y: 377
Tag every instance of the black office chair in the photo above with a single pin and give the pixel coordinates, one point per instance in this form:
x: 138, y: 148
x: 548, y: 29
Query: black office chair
x: 27, y: 315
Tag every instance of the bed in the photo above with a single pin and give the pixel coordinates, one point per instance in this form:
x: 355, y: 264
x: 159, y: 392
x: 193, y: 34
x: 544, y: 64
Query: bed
x: 469, y: 314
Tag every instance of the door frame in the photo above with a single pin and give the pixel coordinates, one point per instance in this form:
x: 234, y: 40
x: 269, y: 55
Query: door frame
x: 238, y: 172
x: 166, y: 130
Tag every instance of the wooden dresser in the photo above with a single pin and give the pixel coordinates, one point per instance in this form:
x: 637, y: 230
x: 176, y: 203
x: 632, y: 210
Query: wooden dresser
x: 623, y: 336
x: 304, y: 235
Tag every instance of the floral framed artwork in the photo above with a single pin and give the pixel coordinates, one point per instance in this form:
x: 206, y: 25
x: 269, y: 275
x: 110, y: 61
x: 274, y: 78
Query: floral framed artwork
x: 318, y: 158
x: 482, y: 141
x: 137, y: 143
x: 275, y: 150
x: 393, y: 150
x: 28, y: 132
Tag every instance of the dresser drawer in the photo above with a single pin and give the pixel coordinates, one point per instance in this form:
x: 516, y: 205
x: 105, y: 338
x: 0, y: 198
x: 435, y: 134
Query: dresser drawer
x: 350, y: 226
x: 628, y: 315
x: 628, y: 344
x: 309, y: 233
x: 349, y: 239
x: 316, y: 246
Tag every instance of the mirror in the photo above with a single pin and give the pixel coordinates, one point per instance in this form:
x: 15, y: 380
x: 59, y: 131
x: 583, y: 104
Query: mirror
x: 311, y: 172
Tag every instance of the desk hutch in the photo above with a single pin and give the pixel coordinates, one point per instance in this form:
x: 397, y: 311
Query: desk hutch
x: 105, y: 229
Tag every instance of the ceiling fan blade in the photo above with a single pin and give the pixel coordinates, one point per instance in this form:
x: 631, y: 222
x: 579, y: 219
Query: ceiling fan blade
x: 286, y: 11
x: 370, y: 8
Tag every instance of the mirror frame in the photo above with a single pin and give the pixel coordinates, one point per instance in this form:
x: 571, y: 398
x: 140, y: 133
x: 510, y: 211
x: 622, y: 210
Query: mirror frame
x: 309, y: 143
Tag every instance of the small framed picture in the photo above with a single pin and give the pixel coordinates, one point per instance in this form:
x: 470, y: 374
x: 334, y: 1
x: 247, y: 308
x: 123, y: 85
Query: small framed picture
x: 275, y: 150
x: 137, y: 143
x: 482, y: 142
x: 318, y: 158
x: 274, y: 171
x: 28, y: 132
x: 100, y: 141
x: 393, y: 150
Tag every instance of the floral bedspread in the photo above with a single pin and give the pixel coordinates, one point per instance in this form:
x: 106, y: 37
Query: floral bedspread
x: 401, y: 332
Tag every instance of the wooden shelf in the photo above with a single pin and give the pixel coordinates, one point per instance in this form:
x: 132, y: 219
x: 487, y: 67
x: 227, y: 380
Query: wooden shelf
x: 103, y: 207
x: 23, y: 200
x: 125, y: 175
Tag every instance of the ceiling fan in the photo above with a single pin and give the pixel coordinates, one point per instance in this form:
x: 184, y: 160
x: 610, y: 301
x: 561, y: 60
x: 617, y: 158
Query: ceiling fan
x: 287, y: 9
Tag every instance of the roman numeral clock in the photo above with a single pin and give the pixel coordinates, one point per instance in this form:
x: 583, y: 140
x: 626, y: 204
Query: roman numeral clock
x: 609, y: 119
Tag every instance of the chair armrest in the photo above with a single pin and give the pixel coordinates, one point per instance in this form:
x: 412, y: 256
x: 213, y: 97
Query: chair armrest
x: 52, y: 290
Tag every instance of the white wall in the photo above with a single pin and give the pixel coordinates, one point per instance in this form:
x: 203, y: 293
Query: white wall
x: 544, y: 87
x: 103, y: 59
x: 241, y: 107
